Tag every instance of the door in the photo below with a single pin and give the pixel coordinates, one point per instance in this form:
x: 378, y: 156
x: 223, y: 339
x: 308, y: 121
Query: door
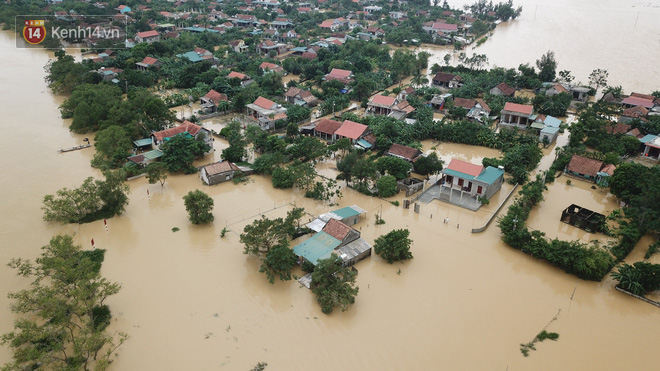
x: 479, y: 190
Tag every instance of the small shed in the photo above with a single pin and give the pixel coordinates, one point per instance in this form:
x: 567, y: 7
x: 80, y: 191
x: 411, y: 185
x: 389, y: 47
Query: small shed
x: 142, y: 144
x: 582, y: 218
x: 218, y: 172
x: 349, y: 215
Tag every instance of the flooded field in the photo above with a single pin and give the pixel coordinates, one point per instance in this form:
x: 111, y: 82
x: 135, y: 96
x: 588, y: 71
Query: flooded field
x: 193, y: 300
x: 582, y: 37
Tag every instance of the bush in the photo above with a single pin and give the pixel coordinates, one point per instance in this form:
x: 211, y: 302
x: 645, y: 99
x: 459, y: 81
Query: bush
x: 386, y: 186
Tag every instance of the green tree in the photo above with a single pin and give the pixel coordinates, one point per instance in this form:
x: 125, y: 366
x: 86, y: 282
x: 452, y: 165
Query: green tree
x: 282, y: 178
x: 425, y: 165
x: 279, y: 262
x: 262, y: 235
x: 547, y: 66
x: 199, y: 206
x: 237, y: 142
x: 598, y: 78
x: 63, y: 318
x: 386, y: 186
x: 180, y: 151
x: 113, y: 146
x: 93, y: 200
x: 394, y: 246
x: 156, y: 172
x: 333, y: 285
x: 399, y: 168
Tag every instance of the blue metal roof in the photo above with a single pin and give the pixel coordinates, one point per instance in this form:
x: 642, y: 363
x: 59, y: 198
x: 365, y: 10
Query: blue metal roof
x: 346, y: 212
x: 490, y: 175
x: 142, y: 142
x: 458, y: 174
x: 191, y: 56
x: 647, y: 138
x: 552, y: 121
x: 299, y: 49
x: 364, y: 144
x: 319, y: 246
x: 550, y: 130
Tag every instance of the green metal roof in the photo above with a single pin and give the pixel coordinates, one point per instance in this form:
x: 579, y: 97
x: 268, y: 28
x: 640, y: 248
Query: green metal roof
x: 458, y: 174
x: 319, y: 246
x: 153, y: 154
x: 364, y: 144
x: 142, y: 142
x: 550, y: 130
x: 191, y: 56
x: 346, y: 212
x: 490, y: 175
x: 537, y: 125
x: 647, y: 138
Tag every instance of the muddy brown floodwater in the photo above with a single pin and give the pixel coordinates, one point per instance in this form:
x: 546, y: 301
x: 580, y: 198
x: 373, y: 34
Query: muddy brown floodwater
x: 584, y: 35
x: 192, y: 300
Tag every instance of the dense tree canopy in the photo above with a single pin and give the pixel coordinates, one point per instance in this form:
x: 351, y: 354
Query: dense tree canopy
x: 63, y: 315
x: 93, y: 200
x: 199, y: 206
x: 394, y: 246
x: 333, y: 285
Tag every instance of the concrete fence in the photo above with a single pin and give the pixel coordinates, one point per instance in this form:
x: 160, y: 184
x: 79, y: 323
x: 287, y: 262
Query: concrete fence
x: 481, y: 229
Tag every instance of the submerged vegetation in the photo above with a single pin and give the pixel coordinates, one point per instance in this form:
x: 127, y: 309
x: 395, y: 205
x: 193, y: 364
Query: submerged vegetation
x: 63, y: 317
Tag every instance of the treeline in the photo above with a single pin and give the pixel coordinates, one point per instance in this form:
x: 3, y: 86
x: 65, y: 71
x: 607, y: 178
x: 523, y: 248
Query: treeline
x: 585, y: 261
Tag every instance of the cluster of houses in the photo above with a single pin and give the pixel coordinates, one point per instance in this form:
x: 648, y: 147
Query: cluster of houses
x: 334, y: 234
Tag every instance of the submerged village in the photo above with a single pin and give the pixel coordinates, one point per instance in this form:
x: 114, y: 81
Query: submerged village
x: 333, y: 103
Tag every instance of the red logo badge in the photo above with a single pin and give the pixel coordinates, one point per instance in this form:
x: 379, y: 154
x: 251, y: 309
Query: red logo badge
x: 34, y: 31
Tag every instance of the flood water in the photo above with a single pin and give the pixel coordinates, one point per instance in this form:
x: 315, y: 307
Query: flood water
x: 621, y: 36
x: 192, y: 300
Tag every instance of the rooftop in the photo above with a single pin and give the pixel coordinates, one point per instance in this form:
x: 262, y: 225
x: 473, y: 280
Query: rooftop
x: 520, y: 108
x: 350, y: 129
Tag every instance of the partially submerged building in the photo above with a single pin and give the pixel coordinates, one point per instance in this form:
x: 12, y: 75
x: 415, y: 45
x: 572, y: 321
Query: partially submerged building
x: 589, y: 169
x: 582, y: 218
x: 335, y: 238
x: 464, y: 184
x: 218, y: 172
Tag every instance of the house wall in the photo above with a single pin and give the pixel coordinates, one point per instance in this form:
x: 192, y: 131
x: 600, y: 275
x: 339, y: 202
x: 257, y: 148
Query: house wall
x: 215, y: 178
x: 351, y: 220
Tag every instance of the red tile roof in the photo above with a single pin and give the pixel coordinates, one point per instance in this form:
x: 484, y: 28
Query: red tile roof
x: 643, y: 96
x: 308, y: 55
x: 444, y: 26
x: 637, y: 111
x: 406, y: 152
x: 584, y: 165
x: 350, y: 129
x: 337, y: 229
x: 150, y: 61
x: 608, y: 169
x: 617, y: 128
x: 520, y: 108
x: 465, y: 167
x: 264, y: 103
x: 506, y: 89
x: 468, y: 104
x: 560, y: 88
x: 239, y: 75
x: 215, y: 97
x: 339, y: 73
x: 328, y: 126
x: 220, y: 167
x: 635, y: 101
x: 187, y: 126
x: 445, y: 77
x: 383, y: 100
x: 147, y: 34
x: 292, y: 92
